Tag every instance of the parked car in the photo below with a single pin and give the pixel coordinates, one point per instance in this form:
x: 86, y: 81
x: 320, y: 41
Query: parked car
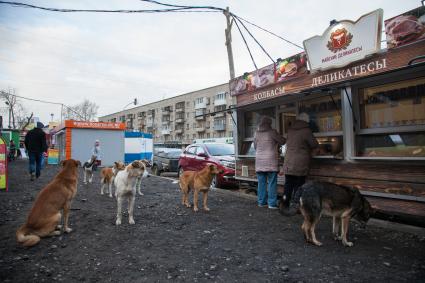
x: 166, y: 161
x: 196, y: 156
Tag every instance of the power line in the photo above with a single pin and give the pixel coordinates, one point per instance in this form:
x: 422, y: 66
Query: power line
x: 272, y: 33
x: 43, y: 101
x: 246, y: 45
x: 259, y: 44
x: 24, y: 5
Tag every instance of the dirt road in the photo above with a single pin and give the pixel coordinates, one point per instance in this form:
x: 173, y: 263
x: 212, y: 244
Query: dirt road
x: 235, y: 242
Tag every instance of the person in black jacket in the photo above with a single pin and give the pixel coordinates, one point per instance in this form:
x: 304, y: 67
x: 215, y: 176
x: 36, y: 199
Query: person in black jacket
x: 36, y: 145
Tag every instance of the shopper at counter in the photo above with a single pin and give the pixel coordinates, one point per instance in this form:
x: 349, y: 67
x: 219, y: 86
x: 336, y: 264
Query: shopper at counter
x: 266, y: 142
x: 299, y: 146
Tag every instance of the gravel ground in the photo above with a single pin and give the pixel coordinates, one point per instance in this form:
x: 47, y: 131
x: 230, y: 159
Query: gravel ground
x: 235, y: 241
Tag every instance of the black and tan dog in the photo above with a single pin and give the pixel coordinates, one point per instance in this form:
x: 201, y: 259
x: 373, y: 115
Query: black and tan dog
x: 198, y: 182
x: 342, y: 203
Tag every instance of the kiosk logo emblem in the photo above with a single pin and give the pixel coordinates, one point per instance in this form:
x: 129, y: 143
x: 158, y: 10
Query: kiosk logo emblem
x: 339, y: 39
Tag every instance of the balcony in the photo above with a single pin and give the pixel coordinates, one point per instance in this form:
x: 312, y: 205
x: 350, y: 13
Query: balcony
x: 200, y: 114
x: 150, y: 124
x: 220, y: 114
x: 165, y: 122
x: 151, y: 113
x: 200, y: 129
x: 165, y: 132
x: 180, y: 110
x: 179, y: 120
x: 178, y: 131
x: 220, y: 127
x: 201, y: 105
x: 220, y: 101
x: 166, y: 112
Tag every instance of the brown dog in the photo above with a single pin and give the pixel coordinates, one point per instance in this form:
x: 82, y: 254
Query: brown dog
x: 198, y: 182
x: 107, y: 176
x: 45, y: 214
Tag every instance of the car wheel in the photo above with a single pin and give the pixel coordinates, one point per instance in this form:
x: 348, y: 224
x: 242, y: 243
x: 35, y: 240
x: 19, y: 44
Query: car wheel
x: 155, y: 170
x: 214, y: 183
x: 180, y: 172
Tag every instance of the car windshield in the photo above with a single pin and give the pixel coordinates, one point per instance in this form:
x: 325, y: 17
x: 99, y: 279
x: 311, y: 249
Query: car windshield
x: 174, y: 154
x: 218, y: 149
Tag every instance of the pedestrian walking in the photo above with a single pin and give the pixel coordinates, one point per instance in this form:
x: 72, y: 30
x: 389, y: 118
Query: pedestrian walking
x: 300, y: 144
x: 97, y: 152
x: 36, y: 146
x: 266, y: 143
x: 12, y: 150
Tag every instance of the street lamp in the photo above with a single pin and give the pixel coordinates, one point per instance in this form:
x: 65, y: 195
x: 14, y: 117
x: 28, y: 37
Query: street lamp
x: 8, y: 104
x: 133, y: 102
x: 51, y: 114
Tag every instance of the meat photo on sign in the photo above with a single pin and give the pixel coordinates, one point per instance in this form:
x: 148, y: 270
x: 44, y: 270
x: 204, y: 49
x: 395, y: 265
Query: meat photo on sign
x: 406, y: 28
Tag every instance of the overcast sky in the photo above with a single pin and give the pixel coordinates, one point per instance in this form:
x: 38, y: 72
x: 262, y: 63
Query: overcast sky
x: 112, y: 58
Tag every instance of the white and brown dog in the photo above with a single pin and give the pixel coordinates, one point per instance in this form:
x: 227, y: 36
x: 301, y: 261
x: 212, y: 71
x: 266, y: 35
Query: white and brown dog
x: 107, y: 176
x: 89, y: 167
x: 125, y: 183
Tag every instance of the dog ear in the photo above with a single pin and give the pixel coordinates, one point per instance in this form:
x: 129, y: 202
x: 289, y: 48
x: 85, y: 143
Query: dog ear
x: 77, y: 163
x: 212, y: 167
x: 62, y: 163
x: 116, y: 164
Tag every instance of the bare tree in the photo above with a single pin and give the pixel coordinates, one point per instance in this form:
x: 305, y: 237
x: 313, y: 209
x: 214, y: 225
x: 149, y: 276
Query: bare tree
x: 16, y: 111
x: 85, y: 110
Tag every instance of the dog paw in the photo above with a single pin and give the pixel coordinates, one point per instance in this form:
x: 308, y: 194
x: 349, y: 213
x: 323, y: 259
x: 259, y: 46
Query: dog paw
x: 195, y: 209
x: 110, y: 196
x: 58, y: 227
x: 206, y: 209
x: 337, y: 238
x: 131, y: 222
x: 118, y: 222
x: 101, y: 193
x: 68, y: 230
x: 317, y: 243
x: 347, y: 244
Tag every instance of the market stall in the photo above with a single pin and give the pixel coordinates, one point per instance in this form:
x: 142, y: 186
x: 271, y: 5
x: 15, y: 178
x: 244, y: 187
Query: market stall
x: 366, y: 106
x: 75, y: 139
x: 138, y: 146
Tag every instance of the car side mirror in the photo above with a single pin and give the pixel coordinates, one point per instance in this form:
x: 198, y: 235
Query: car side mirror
x: 202, y: 154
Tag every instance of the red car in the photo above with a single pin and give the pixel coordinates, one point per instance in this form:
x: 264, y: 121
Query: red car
x: 196, y: 156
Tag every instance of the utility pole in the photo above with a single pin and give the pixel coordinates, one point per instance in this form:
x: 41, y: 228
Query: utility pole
x: 228, y: 34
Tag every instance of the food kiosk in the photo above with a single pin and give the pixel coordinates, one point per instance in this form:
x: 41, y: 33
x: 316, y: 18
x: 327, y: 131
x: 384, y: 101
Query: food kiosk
x: 366, y: 106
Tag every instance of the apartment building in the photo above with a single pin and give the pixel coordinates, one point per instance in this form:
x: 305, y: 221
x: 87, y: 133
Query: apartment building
x: 183, y: 118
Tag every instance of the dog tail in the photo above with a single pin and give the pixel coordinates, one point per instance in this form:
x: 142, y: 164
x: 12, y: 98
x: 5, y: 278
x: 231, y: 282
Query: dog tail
x: 27, y: 240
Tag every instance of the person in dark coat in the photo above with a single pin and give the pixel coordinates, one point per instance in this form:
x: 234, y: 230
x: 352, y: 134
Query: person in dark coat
x: 36, y: 146
x: 266, y: 143
x: 299, y: 148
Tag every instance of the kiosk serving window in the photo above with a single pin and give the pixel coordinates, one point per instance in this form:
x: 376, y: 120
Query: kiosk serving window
x: 392, y: 120
x: 251, y: 121
x: 326, y: 123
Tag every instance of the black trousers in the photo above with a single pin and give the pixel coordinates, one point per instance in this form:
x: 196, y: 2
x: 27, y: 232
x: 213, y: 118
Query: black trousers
x: 292, y: 183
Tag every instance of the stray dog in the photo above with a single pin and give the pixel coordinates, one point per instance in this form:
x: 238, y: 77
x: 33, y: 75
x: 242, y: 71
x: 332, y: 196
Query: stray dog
x: 89, y: 167
x: 342, y: 203
x: 198, y: 182
x: 107, y: 176
x: 125, y: 183
x: 145, y: 175
x: 44, y: 217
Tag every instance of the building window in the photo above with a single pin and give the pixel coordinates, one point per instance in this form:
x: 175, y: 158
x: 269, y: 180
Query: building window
x: 392, y: 120
x: 208, y: 135
x: 187, y: 126
x: 252, y: 119
x: 194, y: 136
